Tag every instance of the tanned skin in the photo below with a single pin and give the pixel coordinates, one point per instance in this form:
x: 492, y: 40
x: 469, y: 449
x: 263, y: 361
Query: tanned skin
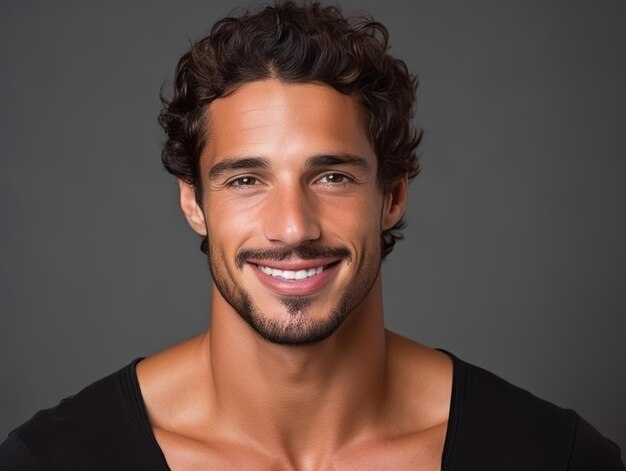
x: 363, y: 397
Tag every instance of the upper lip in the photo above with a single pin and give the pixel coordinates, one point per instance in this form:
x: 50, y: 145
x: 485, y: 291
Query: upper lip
x: 293, y: 265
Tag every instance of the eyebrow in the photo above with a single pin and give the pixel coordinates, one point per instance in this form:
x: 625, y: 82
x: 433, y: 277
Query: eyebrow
x: 324, y: 160
x: 227, y: 165
x: 321, y: 160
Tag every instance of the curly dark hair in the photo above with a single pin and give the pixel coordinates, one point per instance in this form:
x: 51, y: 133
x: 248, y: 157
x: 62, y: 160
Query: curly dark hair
x: 296, y: 44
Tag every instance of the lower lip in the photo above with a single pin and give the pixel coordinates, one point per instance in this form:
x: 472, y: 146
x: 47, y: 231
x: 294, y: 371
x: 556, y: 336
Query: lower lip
x: 307, y: 286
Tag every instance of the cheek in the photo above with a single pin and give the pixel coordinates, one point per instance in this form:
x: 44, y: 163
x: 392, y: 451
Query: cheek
x: 354, y: 220
x: 226, y: 222
x: 358, y: 223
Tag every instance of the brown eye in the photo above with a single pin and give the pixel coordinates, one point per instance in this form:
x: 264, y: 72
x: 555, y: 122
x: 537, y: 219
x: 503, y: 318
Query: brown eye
x: 333, y: 178
x: 244, y: 181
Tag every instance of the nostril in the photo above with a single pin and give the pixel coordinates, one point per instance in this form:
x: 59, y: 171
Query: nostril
x: 293, y: 226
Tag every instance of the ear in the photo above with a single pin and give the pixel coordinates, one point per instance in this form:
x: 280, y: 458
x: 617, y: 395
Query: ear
x: 191, y: 209
x: 395, y: 203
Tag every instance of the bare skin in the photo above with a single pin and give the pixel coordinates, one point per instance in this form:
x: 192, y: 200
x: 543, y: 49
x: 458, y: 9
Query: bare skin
x: 363, y: 397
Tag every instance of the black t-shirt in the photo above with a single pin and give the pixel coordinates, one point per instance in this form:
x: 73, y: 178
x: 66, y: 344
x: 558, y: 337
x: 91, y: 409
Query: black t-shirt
x: 493, y: 425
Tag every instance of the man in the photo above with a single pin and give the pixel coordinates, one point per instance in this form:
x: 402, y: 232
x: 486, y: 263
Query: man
x: 290, y: 133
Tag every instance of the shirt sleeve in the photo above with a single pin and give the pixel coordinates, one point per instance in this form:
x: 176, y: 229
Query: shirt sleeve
x: 15, y: 456
x: 591, y: 451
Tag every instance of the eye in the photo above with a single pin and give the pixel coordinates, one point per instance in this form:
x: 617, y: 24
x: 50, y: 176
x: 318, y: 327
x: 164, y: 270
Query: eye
x: 334, y: 178
x: 244, y: 181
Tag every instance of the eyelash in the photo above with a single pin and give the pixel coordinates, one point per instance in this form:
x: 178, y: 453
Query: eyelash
x: 237, y: 182
x: 344, y: 179
x: 233, y: 182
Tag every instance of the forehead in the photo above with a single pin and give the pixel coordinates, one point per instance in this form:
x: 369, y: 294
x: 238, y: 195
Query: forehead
x: 282, y: 121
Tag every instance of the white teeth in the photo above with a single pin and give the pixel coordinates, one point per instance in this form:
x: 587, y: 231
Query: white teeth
x: 290, y: 274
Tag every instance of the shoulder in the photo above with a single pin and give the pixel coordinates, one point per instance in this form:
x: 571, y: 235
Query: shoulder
x: 497, y: 425
x: 591, y: 450
x: 83, y: 429
x: 421, y: 381
x: 173, y: 387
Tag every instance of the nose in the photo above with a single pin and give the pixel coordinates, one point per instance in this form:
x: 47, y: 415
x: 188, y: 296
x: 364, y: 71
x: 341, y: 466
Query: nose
x: 290, y: 216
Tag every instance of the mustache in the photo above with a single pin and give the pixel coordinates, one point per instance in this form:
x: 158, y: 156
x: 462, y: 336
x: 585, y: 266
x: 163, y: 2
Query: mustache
x: 304, y: 252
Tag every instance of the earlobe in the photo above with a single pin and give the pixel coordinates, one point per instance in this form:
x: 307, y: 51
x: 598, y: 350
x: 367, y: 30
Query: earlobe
x: 395, y: 203
x: 191, y: 209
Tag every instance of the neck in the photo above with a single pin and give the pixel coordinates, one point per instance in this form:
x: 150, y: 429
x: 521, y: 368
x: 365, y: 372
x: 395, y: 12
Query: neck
x: 303, y: 400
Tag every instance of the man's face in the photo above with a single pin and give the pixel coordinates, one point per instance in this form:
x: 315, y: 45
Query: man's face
x: 291, y: 207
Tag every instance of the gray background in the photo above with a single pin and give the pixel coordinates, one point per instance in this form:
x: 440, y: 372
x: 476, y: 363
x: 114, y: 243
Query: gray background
x: 514, y: 258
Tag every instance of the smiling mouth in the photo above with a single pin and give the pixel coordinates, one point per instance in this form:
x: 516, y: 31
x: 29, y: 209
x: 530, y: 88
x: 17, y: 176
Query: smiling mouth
x: 292, y: 275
